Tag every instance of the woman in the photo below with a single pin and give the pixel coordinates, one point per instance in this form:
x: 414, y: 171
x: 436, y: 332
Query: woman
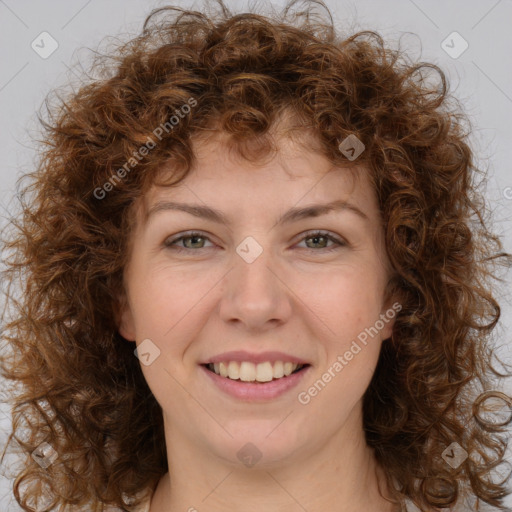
x: 254, y: 281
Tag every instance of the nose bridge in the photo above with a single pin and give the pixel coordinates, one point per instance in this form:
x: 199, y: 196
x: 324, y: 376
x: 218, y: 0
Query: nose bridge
x: 254, y: 294
x: 252, y: 275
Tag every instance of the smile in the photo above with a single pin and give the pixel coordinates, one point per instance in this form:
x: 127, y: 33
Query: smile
x: 250, y: 372
x: 285, y: 376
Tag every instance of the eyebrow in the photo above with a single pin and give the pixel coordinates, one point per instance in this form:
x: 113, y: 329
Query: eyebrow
x: 292, y: 215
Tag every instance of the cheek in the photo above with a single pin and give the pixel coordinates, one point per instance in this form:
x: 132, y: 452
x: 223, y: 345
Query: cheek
x: 165, y: 295
x: 349, y: 303
x: 346, y: 299
x: 171, y: 307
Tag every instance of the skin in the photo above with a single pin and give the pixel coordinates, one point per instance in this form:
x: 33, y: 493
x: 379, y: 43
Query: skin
x: 296, y: 297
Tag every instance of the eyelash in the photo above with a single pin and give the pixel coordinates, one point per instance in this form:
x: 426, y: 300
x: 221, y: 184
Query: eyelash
x: 170, y: 244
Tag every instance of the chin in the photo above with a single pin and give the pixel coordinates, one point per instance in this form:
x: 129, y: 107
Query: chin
x: 266, y: 445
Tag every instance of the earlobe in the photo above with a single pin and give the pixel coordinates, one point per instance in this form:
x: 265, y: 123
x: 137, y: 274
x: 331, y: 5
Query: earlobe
x: 388, y: 328
x: 124, y: 319
x: 389, y: 316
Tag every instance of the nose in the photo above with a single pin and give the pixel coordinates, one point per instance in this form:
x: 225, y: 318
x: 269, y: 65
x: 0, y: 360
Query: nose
x: 255, y: 294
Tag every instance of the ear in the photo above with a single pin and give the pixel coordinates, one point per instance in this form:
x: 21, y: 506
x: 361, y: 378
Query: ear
x: 391, y: 308
x: 124, y: 318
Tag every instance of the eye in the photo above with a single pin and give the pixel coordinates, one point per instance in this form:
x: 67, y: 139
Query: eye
x: 194, y: 236
x: 197, y: 240
x: 322, y: 237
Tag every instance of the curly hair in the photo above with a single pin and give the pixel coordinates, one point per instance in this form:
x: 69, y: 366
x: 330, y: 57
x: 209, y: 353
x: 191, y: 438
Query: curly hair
x: 79, y: 387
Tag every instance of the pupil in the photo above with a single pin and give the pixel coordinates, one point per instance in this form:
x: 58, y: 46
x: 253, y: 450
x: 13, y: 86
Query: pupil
x: 316, y: 238
x: 194, y: 239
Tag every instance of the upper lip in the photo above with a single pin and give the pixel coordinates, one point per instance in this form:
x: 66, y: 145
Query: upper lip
x: 261, y: 357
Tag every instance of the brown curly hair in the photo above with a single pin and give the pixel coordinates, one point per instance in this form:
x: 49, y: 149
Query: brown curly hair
x: 79, y: 387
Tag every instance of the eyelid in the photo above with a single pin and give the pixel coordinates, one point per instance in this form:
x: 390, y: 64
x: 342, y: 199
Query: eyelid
x: 169, y: 241
x: 323, y: 232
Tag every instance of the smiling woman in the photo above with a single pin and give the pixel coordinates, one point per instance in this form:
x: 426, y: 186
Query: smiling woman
x: 277, y: 298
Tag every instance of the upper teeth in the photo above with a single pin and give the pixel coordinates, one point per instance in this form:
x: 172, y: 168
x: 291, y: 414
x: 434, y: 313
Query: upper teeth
x: 250, y: 372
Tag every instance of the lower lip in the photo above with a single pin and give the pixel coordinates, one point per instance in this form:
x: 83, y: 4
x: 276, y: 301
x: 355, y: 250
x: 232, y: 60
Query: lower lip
x: 253, y: 391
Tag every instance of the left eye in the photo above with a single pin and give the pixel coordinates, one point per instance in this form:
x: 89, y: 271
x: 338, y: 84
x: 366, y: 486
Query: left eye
x: 197, y: 238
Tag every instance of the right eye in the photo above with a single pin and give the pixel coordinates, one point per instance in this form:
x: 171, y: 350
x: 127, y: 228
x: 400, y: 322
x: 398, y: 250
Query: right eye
x: 171, y: 243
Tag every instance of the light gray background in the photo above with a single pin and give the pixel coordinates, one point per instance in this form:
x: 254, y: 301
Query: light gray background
x: 481, y: 78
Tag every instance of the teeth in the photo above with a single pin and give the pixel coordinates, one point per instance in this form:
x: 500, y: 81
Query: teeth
x: 247, y: 372
x: 264, y: 372
x: 250, y: 372
x: 233, y: 370
x: 278, y: 369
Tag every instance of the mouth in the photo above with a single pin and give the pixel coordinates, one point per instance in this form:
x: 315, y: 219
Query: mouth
x: 255, y: 382
x: 260, y: 373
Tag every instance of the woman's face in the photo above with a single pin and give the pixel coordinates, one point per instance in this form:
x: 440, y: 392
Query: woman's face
x: 258, y: 285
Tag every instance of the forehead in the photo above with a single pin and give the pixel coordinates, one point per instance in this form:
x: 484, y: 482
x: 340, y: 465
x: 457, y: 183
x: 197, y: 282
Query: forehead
x: 218, y: 163
x: 294, y: 175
